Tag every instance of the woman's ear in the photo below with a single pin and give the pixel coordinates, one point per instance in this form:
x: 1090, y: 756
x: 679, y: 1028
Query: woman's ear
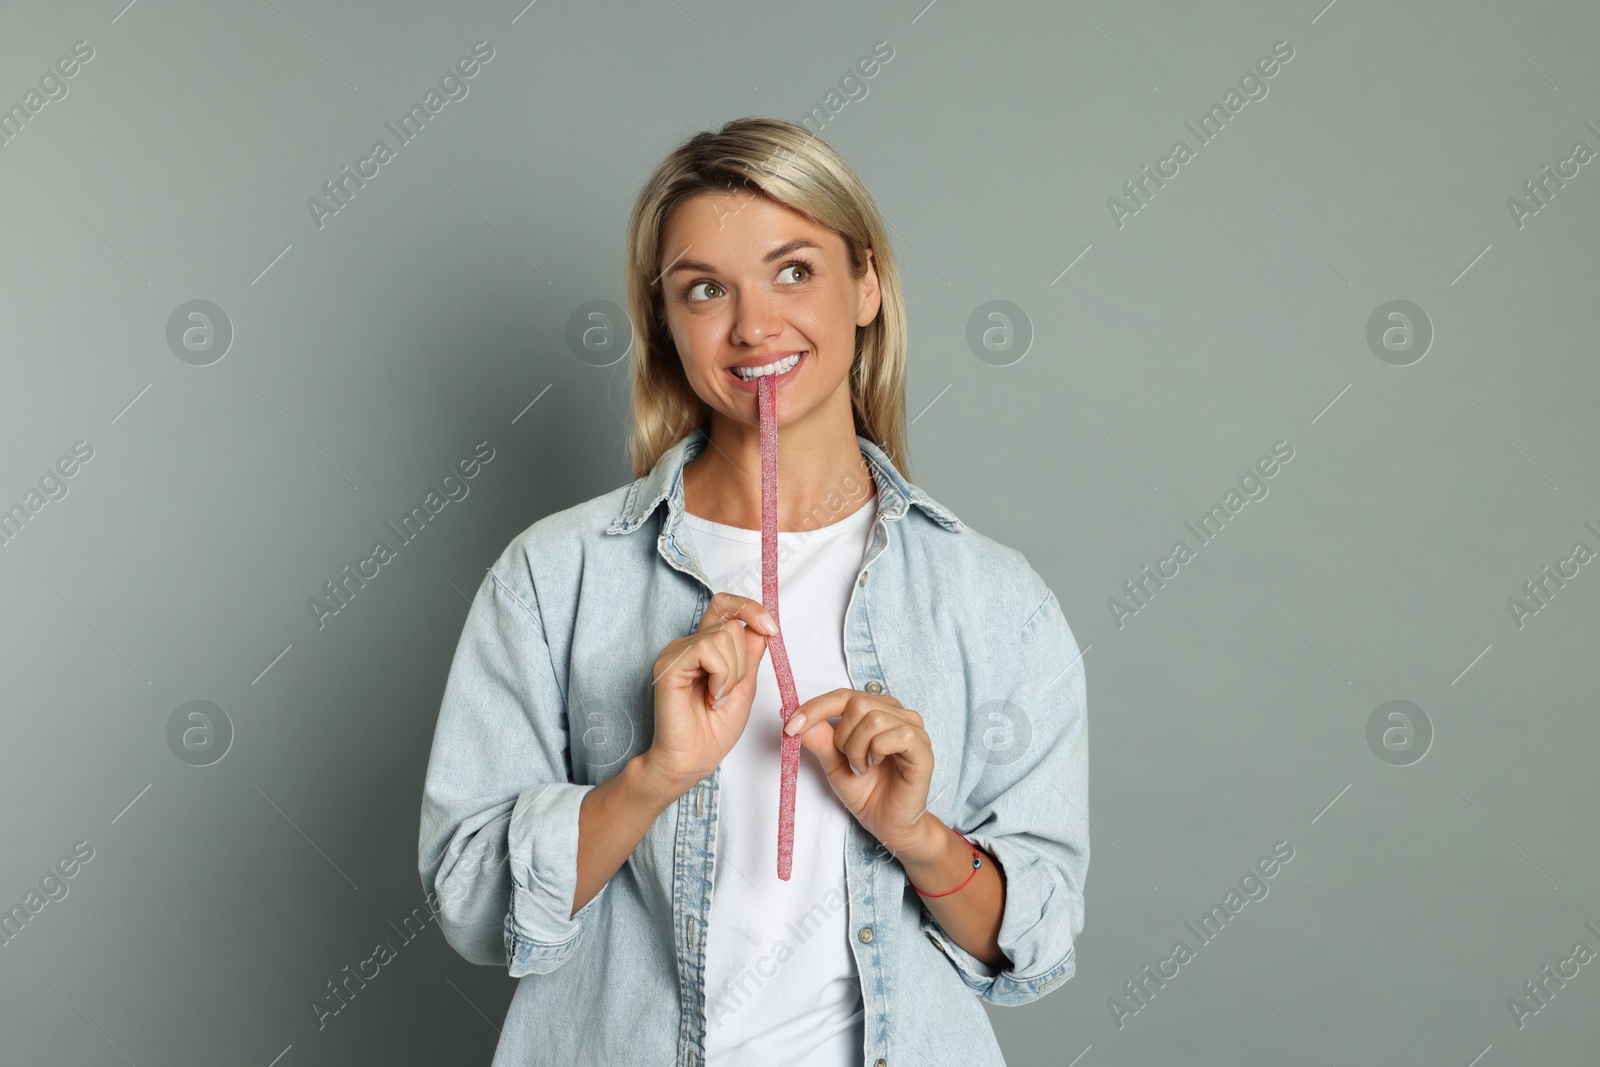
x: 870, y: 297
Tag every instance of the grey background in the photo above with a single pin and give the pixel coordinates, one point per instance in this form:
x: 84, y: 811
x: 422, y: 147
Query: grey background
x: 1229, y: 313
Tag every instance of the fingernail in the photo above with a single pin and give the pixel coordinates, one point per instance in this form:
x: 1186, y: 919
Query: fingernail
x: 853, y: 767
x: 872, y: 760
x: 796, y: 723
x: 768, y: 624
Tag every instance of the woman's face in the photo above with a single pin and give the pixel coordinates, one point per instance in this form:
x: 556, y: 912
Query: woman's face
x: 751, y: 282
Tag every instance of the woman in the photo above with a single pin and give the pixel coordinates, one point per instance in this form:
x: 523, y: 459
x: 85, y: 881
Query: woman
x: 600, y: 815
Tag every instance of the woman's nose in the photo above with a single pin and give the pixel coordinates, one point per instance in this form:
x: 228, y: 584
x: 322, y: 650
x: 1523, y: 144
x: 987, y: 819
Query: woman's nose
x: 755, y: 320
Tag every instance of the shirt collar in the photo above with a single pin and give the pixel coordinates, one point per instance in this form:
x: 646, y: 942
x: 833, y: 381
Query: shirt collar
x: 664, y: 483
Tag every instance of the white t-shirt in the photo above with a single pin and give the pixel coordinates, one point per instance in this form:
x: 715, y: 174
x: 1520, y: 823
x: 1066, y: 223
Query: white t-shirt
x: 782, y: 986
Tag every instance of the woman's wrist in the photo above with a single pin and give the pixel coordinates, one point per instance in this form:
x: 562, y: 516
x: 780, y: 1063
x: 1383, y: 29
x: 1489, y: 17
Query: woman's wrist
x: 651, y: 788
x: 938, y: 859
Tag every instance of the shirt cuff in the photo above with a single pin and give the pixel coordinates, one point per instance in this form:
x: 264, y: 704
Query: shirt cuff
x: 540, y: 932
x: 1031, y: 929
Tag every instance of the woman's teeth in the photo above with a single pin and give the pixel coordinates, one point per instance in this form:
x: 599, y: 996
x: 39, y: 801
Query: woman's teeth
x: 782, y: 366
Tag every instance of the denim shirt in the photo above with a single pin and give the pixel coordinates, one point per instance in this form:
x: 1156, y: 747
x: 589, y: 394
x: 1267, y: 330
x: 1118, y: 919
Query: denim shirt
x: 550, y: 693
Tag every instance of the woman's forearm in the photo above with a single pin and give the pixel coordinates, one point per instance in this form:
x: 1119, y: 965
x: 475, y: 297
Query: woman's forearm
x: 612, y: 820
x: 971, y: 916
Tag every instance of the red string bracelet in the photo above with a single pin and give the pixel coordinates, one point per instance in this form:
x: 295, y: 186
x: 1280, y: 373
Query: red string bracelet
x: 977, y: 861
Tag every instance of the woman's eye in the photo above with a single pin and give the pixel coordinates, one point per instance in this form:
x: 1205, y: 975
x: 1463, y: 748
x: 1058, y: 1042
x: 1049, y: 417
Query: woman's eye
x: 692, y: 293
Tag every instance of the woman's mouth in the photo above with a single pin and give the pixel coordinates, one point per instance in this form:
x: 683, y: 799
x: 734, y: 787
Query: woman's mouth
x: 748, y: 379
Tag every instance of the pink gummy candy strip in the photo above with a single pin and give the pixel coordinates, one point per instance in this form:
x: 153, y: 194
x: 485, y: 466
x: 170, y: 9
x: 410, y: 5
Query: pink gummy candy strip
x: 767, y: 401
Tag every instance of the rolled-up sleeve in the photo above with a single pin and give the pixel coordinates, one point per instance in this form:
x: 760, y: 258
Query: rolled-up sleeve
x: 1031, y: 814
x: 498, y: 846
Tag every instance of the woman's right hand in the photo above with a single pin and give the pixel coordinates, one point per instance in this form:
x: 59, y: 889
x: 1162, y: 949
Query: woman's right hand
x: 692, y: 731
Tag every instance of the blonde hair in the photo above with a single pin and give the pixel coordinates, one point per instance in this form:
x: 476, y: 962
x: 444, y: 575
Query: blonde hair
x: 790, y: 165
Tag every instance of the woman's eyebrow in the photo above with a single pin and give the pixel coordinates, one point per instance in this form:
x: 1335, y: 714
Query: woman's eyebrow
x: 777, y: 253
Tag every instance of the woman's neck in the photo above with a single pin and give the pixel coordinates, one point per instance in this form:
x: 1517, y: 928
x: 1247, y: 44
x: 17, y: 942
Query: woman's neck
x: 822, y: 475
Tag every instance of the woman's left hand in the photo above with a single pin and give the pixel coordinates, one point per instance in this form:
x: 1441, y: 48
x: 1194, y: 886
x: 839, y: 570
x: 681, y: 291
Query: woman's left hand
x: 886, y: 740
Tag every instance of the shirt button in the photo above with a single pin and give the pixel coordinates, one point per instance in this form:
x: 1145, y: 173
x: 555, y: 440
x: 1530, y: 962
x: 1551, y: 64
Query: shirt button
x: 874, y: 686
x: 882, y: 1062
x: 865, y: 935
x: 863, y: 579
